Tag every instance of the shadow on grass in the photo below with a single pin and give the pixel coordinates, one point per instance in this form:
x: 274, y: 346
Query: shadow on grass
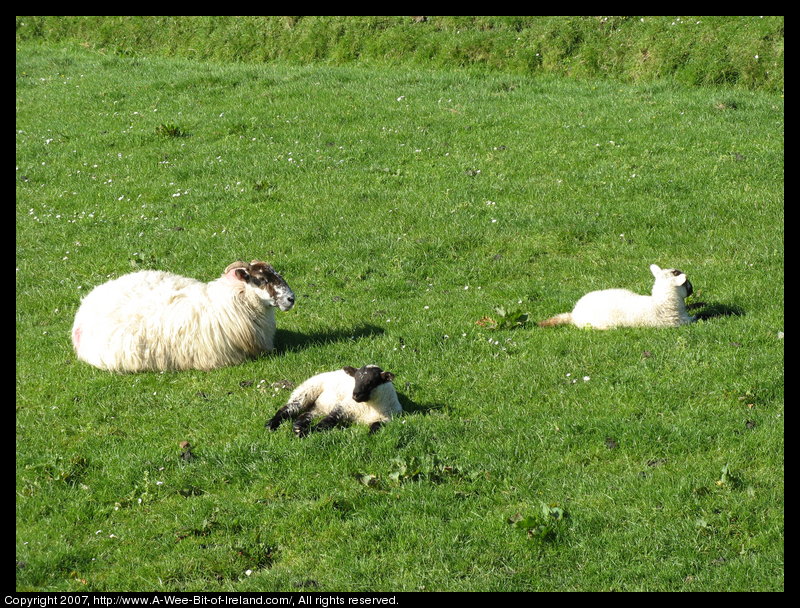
x: 410, y: 407
x: 288, y: 341
x: 705, y: 311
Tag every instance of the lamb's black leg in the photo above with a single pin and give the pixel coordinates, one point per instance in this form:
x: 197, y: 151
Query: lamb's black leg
x: 335, y: 418
x: 287, y: 411
x: 302, y: 425
x: 375, y: 427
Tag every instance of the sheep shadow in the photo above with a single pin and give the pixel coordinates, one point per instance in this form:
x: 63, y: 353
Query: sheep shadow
x: 704, y: 310
x: 290, y: 341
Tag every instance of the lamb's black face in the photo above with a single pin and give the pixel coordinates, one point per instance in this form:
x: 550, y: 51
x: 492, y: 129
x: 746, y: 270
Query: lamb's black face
x: 367, y: 378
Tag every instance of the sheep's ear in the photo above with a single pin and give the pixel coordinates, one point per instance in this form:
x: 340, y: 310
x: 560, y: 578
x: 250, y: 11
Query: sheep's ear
x: 680, y: 279
x: 235, y: 271
x: 387, y: 376
x: 655, y: 269
x: 237, y: 274
x: 349, y: 370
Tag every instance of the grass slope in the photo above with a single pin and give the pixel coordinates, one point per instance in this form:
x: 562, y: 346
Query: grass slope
x: 403, y: 206
x: 742, y: 51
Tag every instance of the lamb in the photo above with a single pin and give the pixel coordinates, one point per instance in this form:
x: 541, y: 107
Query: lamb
x: 157, y: 321
x: 611, y: 308
x: 343, y: 396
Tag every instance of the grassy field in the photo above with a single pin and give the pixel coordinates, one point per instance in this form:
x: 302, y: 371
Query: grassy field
x: 404, y: 207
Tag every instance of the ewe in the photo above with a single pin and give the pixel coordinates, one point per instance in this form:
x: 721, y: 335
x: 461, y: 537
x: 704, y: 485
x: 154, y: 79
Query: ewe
x: 344, y: 396
x: 154, y: 321
x: 611, y: 308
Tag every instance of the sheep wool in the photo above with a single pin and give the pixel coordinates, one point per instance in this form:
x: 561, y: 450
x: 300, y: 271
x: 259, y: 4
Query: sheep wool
x: 348, y: 395
x: 610, y: 308
x: 156, y: 321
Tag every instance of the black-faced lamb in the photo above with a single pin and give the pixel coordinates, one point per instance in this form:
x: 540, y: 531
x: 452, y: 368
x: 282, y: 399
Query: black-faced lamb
x: 610, y: 308
x: 365, y: 395
x: 155, y: 321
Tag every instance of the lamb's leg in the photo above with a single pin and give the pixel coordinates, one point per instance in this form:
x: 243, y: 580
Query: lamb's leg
x: 302, y: 425
x: 335, y: 418
x: 375, y: 427
x: 289, y: 410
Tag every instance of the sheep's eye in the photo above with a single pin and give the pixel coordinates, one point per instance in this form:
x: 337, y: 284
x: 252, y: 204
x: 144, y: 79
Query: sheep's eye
x: 676, y: 273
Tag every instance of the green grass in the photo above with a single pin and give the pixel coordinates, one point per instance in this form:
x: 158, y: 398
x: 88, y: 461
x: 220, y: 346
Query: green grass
x: 739, y: 51
x: 403, y: 206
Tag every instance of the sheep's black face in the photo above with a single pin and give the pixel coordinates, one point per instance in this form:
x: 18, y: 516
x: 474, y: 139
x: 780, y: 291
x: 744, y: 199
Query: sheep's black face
x: 272, y: 288
x: 367, y: 378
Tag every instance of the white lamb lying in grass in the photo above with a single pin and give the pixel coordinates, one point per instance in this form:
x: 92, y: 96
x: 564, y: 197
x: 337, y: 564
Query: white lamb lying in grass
x: 610, y: 308
x: 344, y: 396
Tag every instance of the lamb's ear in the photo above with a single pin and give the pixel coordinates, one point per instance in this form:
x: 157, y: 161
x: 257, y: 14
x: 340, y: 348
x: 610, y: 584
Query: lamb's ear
x: 387, y: 376
x: 680, y: 279
x: 655, y: 269
x: 349, y: 370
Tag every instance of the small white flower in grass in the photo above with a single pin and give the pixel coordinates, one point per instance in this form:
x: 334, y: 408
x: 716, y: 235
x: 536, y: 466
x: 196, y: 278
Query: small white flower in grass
x: 586, y: 378
x: 401, y: 98
x: 248, y: 572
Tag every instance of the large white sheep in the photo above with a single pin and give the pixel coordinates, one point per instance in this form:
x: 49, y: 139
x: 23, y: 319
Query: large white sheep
x: 153, y: 320
x: 348, y: 395
x: 609, y: 308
